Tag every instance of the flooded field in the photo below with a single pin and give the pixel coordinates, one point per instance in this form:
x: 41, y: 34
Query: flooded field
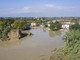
x: 39, y: 46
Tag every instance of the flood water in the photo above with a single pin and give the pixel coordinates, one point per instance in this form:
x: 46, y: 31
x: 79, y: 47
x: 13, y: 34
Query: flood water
x: 39, y: 46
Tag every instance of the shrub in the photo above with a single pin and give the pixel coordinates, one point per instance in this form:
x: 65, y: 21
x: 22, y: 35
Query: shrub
x: 75, y: 26
x: 55, y: 26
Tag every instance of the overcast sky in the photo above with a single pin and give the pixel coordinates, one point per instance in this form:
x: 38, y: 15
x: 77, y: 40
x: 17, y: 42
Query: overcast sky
x: 39, y: 8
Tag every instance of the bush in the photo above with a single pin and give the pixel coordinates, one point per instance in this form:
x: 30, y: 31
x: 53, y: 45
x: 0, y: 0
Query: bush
x: 52, y: 26
x: 71, y: 51
x: 4, y: 32
x: 72, y: 48
x: 76, y: 26
x: 72, y: 37
x: 55, y: 26
x: 19, y: 25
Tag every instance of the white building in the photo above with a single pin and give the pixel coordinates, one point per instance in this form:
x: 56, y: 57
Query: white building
x: 42, y: 26
x: 65, y: 26
x: 33, y: 24
x: 48, y: 25
x: 54, y: 21
x: 49, y: 22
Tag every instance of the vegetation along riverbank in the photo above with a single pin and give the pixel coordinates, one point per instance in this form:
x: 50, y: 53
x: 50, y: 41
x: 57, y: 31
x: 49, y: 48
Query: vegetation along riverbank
x: 71, y: 51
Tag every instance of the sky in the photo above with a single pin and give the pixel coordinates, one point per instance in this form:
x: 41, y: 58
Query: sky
x: 39, y: 8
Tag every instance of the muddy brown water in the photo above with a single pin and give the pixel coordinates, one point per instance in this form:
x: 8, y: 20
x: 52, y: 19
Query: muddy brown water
x: 39, y: 46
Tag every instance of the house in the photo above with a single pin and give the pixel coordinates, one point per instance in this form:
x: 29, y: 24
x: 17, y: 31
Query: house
x: 48, y: 25
x: 54, y: 21
x: 49, y: 22
x: 65, y: 24
x: 33, y: 24
x: 42, y: 26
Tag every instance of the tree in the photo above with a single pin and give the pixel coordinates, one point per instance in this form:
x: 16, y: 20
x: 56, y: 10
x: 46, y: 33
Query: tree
x: 76, y: 26
x: 19, y: 24
x: 58, y: 25
x: 52, y: 26
x: 1, y: 23
x: 55, y: 26
x: 9, y: 21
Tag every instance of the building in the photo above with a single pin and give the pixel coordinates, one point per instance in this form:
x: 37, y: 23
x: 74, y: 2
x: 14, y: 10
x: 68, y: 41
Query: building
x: 65, y: 24
x: 33, y: 24
x: 49, y: 22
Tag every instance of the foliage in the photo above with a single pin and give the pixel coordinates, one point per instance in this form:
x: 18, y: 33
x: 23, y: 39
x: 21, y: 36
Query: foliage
x: 9, y: 21
x: 5, y: 24
x: 4, y: 32
x: 1, y: 23
x: 19, y: 24
x: 75, y: 27
x: 52, y: 26
x: 72, y: 37
x: 58, y: 25
x: 75, y: 20
x: 72, y: 49
x: 55, y: 26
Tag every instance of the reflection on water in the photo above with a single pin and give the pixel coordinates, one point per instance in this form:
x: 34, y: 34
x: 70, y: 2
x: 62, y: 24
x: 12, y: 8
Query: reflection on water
x: 44, y: 29
x: 35, y: 47
x: 9, y: 43
x: 52, y: 34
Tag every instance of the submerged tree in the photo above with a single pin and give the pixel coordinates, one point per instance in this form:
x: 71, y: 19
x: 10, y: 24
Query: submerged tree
x: 55, y: 26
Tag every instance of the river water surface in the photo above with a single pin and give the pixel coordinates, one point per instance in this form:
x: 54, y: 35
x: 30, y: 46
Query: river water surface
x: 39, y: 46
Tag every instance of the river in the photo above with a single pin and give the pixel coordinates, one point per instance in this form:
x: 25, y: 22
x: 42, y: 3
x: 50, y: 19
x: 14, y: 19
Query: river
x: 39, y: 46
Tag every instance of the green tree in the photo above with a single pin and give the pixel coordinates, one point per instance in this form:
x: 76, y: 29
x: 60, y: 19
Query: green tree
x: 75, y: 27
x: 52, y: 26
x: 9, y: 21
x: 19, y: 24
x: 55, y: 26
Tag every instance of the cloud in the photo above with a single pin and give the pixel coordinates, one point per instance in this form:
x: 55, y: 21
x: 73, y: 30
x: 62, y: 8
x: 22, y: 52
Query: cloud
x: 29, y: 9
x: 15, y: 10
x: 40, y: 9
x: 58, y: 7
x: 50, y: 5
x: 21, y: 10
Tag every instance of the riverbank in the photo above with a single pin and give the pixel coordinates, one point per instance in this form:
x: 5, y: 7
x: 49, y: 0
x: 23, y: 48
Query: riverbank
x: 71, y: 51
x: 58, y: 54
